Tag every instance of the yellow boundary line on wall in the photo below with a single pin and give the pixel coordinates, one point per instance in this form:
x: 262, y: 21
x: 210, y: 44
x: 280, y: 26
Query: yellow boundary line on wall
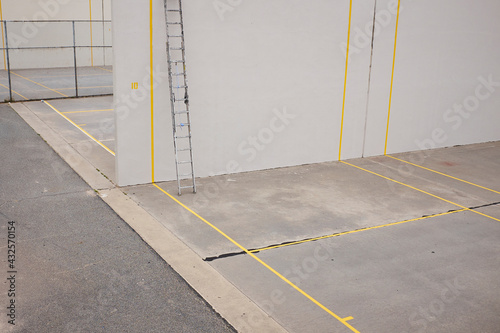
x: 151, y: 89
x: 81, y: 129
x: 421, y: 191
x: 354, y: 231
x: 345, y: 80
x: 444, y: 174
x: 41, y: 85
x: 3, y: 37
x: 392, y: 79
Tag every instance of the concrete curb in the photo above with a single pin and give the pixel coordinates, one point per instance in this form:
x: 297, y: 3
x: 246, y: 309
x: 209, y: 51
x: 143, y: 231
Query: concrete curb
x: 239, y: 310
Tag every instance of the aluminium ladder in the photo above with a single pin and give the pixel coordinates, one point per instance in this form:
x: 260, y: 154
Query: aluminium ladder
x: 179, y: 98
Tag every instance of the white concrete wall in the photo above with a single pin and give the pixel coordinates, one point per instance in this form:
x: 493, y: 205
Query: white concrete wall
x: 445, y: 49
x: 57, y: 34
x: 266, y: 81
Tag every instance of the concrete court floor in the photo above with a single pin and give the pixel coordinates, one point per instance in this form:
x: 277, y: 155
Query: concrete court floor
x: 397, y: 247
x: 40, y: 83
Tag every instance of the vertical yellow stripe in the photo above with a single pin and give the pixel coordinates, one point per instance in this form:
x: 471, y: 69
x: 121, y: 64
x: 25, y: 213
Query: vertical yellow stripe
x: 345, y: 80
x: 151, y: 89
x: 3, y: 37
x: 392, y: 79
x: 91, y: 46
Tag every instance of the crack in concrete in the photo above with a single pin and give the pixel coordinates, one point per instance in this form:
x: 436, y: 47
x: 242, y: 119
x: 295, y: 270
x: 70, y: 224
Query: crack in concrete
x: 313, y: 239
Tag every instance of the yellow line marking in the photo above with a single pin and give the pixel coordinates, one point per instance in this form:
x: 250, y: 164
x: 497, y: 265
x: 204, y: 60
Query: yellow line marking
x: 3, y: 37
x: 345, y: 79
x: 103, y: 110
x: 342, y: 320
x: 91, y: 46
x: 354, y: 231
x: 348, y: 318
x: 392, y: 79
x: 81, y: 129
x: 421, y: 191
x: 104, y: 69
x: 60, y: 93
x: 15, y: 92
x: 151, y: 89
x: 443, y: 174
x: 82, y: 124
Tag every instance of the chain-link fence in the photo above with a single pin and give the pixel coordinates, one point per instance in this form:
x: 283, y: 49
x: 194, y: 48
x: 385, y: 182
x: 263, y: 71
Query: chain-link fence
x: 55, y: 59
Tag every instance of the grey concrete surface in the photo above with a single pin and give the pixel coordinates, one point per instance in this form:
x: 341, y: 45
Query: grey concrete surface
x: 46, y: 83
x: 396, y: 279
x: 80, y: 268
x: 436, y: 274
x: 99, y: 124
x: 289, y: 204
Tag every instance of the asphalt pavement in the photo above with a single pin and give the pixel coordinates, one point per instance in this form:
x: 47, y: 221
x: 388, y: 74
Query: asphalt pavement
x: 77, y: 266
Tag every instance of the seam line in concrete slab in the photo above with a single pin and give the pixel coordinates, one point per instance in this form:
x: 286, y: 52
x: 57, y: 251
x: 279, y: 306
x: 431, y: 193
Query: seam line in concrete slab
x: 60, y: 93
x: 345, y: 80
x: 369, y: 79
x: 421, y: 191
x: 342, y: 320
x: 312, y: 239
x: 444, y: 174
x: 81, y: 129
x: 486, y: 205
x: 392, y: 79
x: 239, y: 310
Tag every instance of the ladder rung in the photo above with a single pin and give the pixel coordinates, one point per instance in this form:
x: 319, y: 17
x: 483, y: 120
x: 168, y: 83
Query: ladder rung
x: 176, y: 48
x: 181, y: 112
x: 182, y: 125
x: 176, y: 61
x: 184, y: 149
x: 180, y: 100
x: 173, y: 22
x: 178, y: 74
x: 183, y: 137
x: 184, y: 162
x: 180, y: 87
x: 175, y: 36
x: 173, y: 10
x: 182, y: 187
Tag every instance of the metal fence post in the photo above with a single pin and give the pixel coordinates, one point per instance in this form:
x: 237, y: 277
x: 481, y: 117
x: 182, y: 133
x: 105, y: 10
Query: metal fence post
x: 74, y: 59
x: 8, y: 59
